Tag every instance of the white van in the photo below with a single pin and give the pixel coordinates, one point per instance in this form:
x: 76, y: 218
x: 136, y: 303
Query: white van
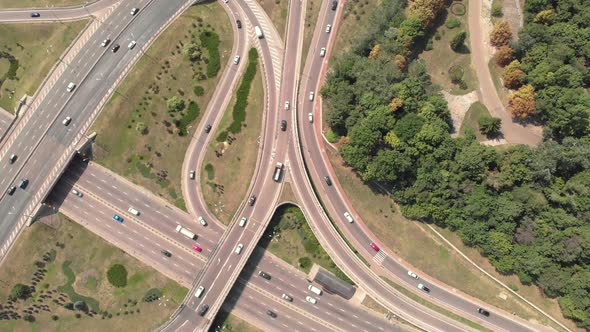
x: 314, y: 290
x: 199, y: 292
x: 258, y: 31
x: 133, y: 211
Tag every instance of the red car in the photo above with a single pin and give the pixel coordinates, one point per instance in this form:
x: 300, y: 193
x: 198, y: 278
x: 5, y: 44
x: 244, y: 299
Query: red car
x: 197, y: 248
x: 374, y: 246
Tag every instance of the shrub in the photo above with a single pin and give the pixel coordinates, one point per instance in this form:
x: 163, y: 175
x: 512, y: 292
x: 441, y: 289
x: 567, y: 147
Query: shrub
x: 504, y: 55
x: 501, y: 33
x: 141, y: 128
x: 20, y: 291
x: 453, y: 23
x: 458, y: 40
x: 192, y: 52
x: 239, y: 111
x: 29, y: 318
x: 210, y: 40
x: 69, y: 306
x: 496, y: 9
x: 117, y: 275
x: 55, y: 317
x: 175, y: 104
x: 489, y: 126
x: 305, y: 262
x: 199, y: 90
x: 152, y: 295
x: 331, y: 136
x: 187, y: 118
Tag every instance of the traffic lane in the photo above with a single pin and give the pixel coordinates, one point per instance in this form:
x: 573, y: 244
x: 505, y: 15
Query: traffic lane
x: 123, y: 195
x: 55, y: 13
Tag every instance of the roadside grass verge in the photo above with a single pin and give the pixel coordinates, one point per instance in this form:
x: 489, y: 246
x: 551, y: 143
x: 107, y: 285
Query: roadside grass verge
x: 139, y: 136
x: 310, y: 20
x: 290, y: 238
x: 66, y: 263
x: 277, y: 10
x: 226, y: 322
x: 230, y: 164
x: 210, y: 41
x: 435, y: 307
x: 471, y: 120
x: 416, y: 245
x: 356, y: 14
x: 442, y: 62
x: 27, y: 53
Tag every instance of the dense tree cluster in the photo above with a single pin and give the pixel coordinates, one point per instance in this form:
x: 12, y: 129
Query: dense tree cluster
x: 527, y: 210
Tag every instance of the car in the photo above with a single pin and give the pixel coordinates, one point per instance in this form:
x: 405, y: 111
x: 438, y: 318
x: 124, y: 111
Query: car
x: 424, y: 288
x: 134, y: 11
x: 191, y: 174
x: 374, y: 246
x: 35, y: 14
x: 413, y: 275
x: 132, y: 44
x: 287, y: 297
x: 77, y: 193
x: 225, y: 1
x: 115, y: 48
x: 166, y: 253
x: 283, y: 125
x: 311, y: 95
x: 322, y: 52
x: 11, y: 190
x: 239, y: 248
x: 328, y: 180
x: 310, y: 117
x: 483, y: 312
x: 334, y: 5
x: 105, y: 42
x: 271, y: 314
x: 286, y: 105
x: 12, y: 158
x: 207, y: 128
x: 67, y: 121
x: 348, y: 217
x: 199, y: 291
x: 23, y: 183
x: 236, y: 59
x: 328, y: 28
x: 118, y: 218
x: 252, y: 200
x: 203, y: 309
x: 197, y: 248
x: 71, y: 86
x: 243, y: 221
x: 239, y: 24
x: 264, y: 275
x: 311, y: 300
x: 202, y: 221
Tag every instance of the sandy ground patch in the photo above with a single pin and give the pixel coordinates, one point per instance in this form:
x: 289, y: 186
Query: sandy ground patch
x: 458, y: 106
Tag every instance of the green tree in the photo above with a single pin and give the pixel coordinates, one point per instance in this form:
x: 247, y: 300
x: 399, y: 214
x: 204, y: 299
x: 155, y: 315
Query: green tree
x: 141, y: 128
x: 458, y: 40
x: 117, y: 275
x: 175, y: 104
x: 191, y: 51
x: 20, y: 291
x: 489, y: 126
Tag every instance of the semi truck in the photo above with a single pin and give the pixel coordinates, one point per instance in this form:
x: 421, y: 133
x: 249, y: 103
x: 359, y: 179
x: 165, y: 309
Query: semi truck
x: 186, y: 232
x: 278, y: 169
x: 258, y: 31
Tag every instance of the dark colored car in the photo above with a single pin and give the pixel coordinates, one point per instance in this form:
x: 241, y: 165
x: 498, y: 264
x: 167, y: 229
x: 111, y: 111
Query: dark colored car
x: 252, y: 200
x: 328, y: 181
x: 239, y: 24
x: 207, y: 128
x: 284, y: 125
x: 115, y: 48
x: 424, y: 288
x: 271, y: 314
x: 203, y: 309
x: 11, y: 190
x: 334, y: 5
x: 166, y: 253
x: 23, y: 183
x: 483, y: 312
x: 35, y: 14
x: 264, y: 275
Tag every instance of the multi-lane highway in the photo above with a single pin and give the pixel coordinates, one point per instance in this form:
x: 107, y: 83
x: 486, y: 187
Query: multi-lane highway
x: 54, y: 14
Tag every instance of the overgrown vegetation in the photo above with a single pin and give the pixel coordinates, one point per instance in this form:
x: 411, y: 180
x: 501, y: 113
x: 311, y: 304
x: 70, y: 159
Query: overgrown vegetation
x: 526, y: 209
x: 117, y: 275
x: 210, y: 40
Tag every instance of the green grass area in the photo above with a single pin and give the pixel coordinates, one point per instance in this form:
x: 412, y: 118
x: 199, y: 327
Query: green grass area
x: 442, y: 61
x: 39, y: 3
x: 373, y: 305
x: 210, y: 41
x: 241, y: 102
x: 356, y: 14
x: 226, y: 322
x: 28, y: 52
x: 66, y: 263
x: 496, y: 73
x: 435, y: 307
x: 311, y: 16
x: 277, y: 10
x: 227, y: 173
x: 415, y: 244
x: 152, y: 158
x: 470, y: 122
x: 289, y: 237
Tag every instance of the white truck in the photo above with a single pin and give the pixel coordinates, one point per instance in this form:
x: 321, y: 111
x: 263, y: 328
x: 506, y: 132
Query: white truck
x: 278, y: 170
x: 186, y: 232
x: 258, y: 31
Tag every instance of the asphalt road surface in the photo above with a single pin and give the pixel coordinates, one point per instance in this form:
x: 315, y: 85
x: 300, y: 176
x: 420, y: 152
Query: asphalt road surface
x: 49, y: 14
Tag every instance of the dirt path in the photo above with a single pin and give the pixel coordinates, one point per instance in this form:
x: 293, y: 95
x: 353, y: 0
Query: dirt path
x: 513, y: 132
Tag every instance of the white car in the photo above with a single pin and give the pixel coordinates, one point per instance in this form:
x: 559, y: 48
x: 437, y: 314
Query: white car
x: 132, y: 44
x: 134, y: 11
x: 413, y: 275
x: 328, y: 28
x: 67, y: 121
x: 287, y: 105
x: 202, y: 221
x: 239, y: 248
x: 71, y: 86
x: 236, y: 59
x: 310, y: 117
x: 243, y: 221
x: 311, y: 94
x: 105, y: 42
x: 191, y: 174
x: 76, y: 192
x: 348, y: 217
x: 311, y: 300
x: 323, y: 52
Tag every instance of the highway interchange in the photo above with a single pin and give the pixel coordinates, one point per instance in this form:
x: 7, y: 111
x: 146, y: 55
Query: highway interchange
x: 44, y: 147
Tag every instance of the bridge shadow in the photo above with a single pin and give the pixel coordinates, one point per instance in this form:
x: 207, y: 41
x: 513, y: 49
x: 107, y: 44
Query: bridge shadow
x: 64, y: 185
